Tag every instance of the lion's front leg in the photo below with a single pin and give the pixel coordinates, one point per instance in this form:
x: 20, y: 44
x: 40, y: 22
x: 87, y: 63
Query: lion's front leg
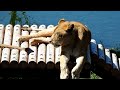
x: 64, y: 70
x: 24, y: 38
x: 75, y: 73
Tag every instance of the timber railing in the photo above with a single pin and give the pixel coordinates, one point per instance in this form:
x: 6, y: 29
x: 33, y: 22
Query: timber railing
x: 42, y: 61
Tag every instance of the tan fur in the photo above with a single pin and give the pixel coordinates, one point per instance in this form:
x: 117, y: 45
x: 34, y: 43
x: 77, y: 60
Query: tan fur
x: 74, y: 38
x: 42, y: 33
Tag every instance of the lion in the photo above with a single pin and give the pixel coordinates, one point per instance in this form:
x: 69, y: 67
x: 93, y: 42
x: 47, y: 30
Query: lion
x: 74, y: 39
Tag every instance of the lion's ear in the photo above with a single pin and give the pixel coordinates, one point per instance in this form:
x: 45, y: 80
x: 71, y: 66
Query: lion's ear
x: 70, y: 27
x: 61, y: 21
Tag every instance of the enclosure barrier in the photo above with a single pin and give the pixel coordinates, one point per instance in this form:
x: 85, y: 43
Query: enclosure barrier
x: 42, y: 61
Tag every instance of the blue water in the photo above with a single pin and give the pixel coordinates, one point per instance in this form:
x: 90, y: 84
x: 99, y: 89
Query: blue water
x: 104, y: 25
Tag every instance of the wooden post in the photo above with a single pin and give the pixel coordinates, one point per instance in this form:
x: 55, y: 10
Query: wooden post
x: 32, y: 56
x: 41, y: 56
x: 94, y: 53
x: 41, y: 59
x: 119, y: 63
x: 57, y: 57
x: 108, y: 60
x: 42, y: 26
x: 115, y: 70
x: 23, y: 58
x: 119, y: 67
x: 101, y: 56
x: 1, y: 38
x: 15, y: 52
x: 7, y: 40
x: 50, y: 54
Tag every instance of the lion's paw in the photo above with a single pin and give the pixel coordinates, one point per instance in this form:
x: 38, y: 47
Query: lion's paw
x: 75, y: 74
x: 64, y: 76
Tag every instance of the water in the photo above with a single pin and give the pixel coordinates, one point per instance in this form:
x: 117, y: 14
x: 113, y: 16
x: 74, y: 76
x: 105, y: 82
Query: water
x: 104, y: 25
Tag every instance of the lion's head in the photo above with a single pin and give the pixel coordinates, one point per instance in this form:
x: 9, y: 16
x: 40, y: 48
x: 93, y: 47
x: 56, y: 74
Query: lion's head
x: 63, y: 33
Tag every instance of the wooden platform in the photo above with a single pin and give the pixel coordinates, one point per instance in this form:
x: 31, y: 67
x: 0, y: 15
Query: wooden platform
x: 42, y: 61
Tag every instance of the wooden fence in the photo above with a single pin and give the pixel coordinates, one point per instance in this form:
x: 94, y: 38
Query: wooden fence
x: 42, y: 61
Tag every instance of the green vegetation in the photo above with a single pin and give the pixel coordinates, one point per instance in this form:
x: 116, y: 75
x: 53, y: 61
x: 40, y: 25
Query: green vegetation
x: 19, y: 17
x: 94, y: 76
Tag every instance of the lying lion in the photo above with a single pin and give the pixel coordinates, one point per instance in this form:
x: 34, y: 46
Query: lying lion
x: 73, y: 37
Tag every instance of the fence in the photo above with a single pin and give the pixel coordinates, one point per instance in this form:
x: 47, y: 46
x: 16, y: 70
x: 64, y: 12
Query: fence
x: 42, y: 61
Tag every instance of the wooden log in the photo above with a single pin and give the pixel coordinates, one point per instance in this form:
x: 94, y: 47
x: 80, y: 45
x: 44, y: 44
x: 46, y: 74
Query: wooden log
x: 7, y: 41
x: 42, y: 26
x: 32, y: 59
x: 15, y: 42
x: 41, y: 56
x: 119, y: 63
x: 101, y: 56
x: 108, y: 60
x: 41, y: 59
x: 57, y: 57
x: 50, y: 56
x: 1, y: 38
x: 119, y: 68
x: 115, y: 62
x: 115, y: 70
x: 23, y: 58
x: 15, y: 52
x: 94, y: 52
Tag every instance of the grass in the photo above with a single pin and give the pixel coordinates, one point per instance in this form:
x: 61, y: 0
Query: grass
x: 94, y: 76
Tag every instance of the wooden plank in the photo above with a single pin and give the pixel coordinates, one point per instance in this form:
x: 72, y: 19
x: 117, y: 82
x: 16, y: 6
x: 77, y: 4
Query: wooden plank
x: 93, y: 50
x: 115, y: 62
x: 6, y: 51
x: 15, y: 42
x: 119, y: 63
x: 23, y: 58
x: 115, y: 70
x: 32, y: 59
x: 50, y: 56
x: 41, y: 56
x: 42, y: 26
x: 57, y: 57
x: 2, y: 30
x: 41, y: 59
x: 101, y: 55
x: 108, y: 60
